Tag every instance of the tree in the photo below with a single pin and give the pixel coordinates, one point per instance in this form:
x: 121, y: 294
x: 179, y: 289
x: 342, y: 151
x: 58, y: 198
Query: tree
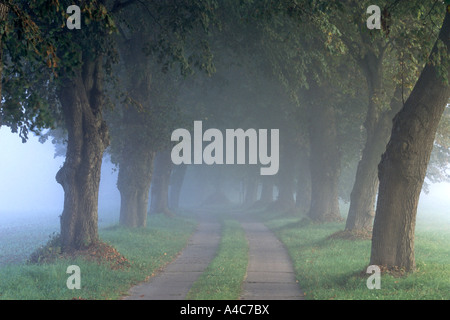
x: 325, y: 157
x: 140, y: 125
x: 303, y: 54
x: 389, y: 65
x: 168, y: 34
x: 176, y: 183
x: 404, y: 163
x: 160, y: 184
x: 362, y: 197
x: 285, y: 181
x: 74, y: 84
x: 81, y: 92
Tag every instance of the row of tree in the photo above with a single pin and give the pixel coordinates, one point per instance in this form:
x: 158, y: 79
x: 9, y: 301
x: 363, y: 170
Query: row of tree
x: 344, y: 98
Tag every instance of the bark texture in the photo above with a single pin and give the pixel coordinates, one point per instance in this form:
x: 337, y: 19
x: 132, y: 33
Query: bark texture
x: 176, y: 183
x: 403, y: 166
x: 136, y: 138
x: 303, y: 194
x: 266, y: 196
x: 160, y: 183
x: 325, y: 160
x: 363, y: 195
x: 133, y: 182
x: 82, y: 101
x: 286, y: 176
x: 251, y: 190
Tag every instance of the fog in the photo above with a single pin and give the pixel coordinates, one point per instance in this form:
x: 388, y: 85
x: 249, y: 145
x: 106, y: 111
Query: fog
x: 29, y: 188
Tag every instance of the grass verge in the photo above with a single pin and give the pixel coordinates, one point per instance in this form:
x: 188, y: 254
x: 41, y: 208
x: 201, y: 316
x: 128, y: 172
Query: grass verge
x: 146, y: 250
x: 223, y: 277
x: 329, y: 268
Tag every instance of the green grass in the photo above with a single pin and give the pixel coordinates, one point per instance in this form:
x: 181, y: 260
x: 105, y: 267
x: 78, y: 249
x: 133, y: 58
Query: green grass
x: 146, y: 249
x: 335, y: 269
x: 326, y: 268
x: 223, y: 277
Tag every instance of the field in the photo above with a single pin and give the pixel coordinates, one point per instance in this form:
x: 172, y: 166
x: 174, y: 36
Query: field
x: 21, y: 234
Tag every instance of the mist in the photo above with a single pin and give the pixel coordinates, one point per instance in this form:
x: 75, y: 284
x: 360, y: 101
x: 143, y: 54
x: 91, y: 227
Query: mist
x: 155, y: 127
x: 29, y: 189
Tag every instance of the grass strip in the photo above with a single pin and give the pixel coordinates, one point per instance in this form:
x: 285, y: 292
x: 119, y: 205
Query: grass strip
x: 222, y: 279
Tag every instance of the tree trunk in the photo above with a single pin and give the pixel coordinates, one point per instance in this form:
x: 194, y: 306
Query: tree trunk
x: 285, y: 201
x: 362, y: 199
x: 82, y: 101
x: 176, y: 183
x: 303, y: 195
x: 133, y: 182
x: 135, y: 140
x: 251, y: 190
x: 403, y: 165
x: 266, y: 196
x: 160, y: 183
x: 324, y: 163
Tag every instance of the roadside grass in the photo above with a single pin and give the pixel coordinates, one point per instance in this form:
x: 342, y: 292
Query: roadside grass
x: 330, y: 268
x: 222, y: 279
x: 147, y: 250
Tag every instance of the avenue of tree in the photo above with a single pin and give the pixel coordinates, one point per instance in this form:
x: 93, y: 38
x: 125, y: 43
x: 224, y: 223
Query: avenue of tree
x: 362, y: 113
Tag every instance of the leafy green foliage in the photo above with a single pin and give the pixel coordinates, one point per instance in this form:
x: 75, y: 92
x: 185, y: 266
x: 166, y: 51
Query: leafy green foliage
x: 28, y: 61
x: 39, y: 50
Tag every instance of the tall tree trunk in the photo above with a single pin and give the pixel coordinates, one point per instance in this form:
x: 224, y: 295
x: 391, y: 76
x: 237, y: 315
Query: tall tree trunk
x: 285, y: 201
x: 176, y: 183
x: 363, y: 195
x: 403, y: 165
x: 133, y: 182
x: 266, y: 191
x: 160, y: 183
x: 324, y: 162
x: 286, y: 191
x: 325, y: 156
x: 136, y: 139
x: 251, y: 190
x: 82, y: 102
x: 303, y: 194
